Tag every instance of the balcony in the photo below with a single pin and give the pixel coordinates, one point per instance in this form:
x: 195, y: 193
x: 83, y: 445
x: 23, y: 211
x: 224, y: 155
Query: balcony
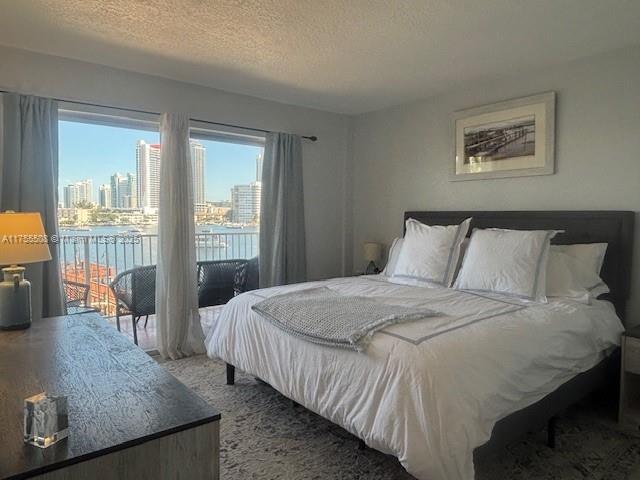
x: 147, y: 334
x: 93, y: 261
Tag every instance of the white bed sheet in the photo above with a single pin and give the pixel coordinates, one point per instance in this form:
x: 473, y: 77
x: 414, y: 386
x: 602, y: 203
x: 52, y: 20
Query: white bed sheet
x: 429, y: 391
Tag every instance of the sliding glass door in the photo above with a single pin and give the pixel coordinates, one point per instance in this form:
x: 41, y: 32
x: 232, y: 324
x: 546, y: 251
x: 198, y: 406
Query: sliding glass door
x: 109, y: 191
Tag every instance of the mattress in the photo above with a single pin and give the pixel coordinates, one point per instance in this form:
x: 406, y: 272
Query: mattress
x: 428, y: 391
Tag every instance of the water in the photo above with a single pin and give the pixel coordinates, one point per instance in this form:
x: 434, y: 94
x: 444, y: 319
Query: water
x: 122, y: 247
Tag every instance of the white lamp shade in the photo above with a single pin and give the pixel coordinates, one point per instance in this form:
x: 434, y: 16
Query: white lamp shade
x: 372, y: 251
x: 22, y: 239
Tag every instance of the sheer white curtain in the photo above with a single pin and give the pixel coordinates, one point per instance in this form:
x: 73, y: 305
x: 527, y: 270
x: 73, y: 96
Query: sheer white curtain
x: 29, y: 183
x: 179, y: 332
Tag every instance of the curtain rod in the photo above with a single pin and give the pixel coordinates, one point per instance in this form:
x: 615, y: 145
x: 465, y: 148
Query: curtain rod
x: 313, y: 138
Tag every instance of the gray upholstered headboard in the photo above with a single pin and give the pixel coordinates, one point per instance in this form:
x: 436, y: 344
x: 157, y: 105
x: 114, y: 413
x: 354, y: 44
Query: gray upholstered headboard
x: 612, y: 227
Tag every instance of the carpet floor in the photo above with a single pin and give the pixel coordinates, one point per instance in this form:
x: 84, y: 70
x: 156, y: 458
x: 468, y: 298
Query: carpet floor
x: 264, y: 436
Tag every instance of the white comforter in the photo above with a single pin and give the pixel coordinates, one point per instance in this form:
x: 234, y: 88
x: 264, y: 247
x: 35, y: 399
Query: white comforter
x: 429, y: 391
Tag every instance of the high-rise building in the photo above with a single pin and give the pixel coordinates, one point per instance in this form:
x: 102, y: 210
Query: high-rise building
x: 259, y: 168
x: 198, y: 154
x: 147, y: 194
x: 116, y: 181
x: 148, y: 172
x: 70, y: 195
x: 104, y: 196
x: 78, y: 192
x: 124, y: 191
x: 86, y: 190
x: 129, y: 194
x: 245, y: 202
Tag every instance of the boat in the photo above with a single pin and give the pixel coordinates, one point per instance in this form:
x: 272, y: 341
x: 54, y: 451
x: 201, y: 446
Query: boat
x: 131, y: 231
x: 207, y: 241
x: 77, y: 229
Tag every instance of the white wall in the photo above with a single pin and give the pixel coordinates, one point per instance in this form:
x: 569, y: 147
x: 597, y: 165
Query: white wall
x: 363, y: 173
x: 324, y: 160
x: 402, y: 154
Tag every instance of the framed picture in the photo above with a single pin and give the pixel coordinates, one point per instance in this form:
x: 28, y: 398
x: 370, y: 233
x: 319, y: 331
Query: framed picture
x: 507, y: 139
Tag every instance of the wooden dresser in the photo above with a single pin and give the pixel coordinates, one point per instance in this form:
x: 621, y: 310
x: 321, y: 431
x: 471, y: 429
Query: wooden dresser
x: 128, y: 417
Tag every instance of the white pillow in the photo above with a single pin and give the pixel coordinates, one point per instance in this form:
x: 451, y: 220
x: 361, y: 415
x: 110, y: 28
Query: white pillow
x: 510, y: 262
x: 430, y: 253
x: 591, y: 255
x: 394, y: 253
x: 568, y: 277
x: 392, y: 261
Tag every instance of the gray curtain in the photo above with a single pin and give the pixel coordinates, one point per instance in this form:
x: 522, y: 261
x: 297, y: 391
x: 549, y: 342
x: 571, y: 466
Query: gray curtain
x: 282, y: 238
x: 29, y: 183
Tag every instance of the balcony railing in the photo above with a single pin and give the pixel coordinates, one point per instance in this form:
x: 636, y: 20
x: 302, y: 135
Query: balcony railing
x: 95, y: 260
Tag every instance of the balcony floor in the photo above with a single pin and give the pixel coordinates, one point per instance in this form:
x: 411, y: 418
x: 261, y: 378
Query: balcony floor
x: 147, y: 336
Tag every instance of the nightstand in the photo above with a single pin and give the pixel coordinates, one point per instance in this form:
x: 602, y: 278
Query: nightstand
x: 629, y: 412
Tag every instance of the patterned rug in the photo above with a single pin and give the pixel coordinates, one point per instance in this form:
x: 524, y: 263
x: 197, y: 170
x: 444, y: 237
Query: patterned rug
x: 265, y: 436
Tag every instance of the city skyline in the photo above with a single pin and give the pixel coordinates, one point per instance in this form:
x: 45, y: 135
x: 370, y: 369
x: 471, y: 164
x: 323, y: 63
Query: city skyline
x: 141, y: 191
x: 97, y: 152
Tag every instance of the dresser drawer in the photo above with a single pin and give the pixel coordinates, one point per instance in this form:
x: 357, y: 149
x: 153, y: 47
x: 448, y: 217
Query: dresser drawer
x: 632, y: 355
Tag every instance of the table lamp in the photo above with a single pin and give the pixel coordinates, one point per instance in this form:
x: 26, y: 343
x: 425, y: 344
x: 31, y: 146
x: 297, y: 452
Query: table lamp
x: 372, y: 252
x: 22, y: 240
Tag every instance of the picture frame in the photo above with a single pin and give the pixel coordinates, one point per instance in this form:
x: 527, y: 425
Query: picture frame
x: 513, y: 138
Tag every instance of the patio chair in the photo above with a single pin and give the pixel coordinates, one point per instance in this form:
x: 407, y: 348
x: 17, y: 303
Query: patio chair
x: 246, y: 277
x: 135, y: 289
x: 76, y: 293
x: 135, y: 294
x: 216, y: 281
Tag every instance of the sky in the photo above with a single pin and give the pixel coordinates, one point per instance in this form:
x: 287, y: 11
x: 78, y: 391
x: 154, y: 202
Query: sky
x: 96, y: 152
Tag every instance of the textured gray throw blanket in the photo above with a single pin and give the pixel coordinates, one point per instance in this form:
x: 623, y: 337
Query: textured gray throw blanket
x: 321, y: 315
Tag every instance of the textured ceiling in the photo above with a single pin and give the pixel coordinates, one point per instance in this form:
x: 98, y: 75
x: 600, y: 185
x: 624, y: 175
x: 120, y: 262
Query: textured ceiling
x: 347, y: 56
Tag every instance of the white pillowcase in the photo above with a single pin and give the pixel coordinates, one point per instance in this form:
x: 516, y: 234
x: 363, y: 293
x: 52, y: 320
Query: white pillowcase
x: 392, y: 261
x: 568, y: 277
x: 510, y: 262
x: 590, y: 255
x: 430, y: 253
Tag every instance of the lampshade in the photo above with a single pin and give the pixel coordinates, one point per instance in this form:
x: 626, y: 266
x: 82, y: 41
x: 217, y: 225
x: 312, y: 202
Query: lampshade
x: 372, y: 251
x: 22, y: 239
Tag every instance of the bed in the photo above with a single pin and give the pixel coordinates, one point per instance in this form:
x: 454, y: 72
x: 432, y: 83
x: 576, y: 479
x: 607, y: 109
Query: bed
x: 435, y: 394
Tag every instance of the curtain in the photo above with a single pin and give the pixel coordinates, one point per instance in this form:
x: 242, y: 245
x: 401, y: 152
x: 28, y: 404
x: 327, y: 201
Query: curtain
x: 29, y: 183
x: 282, y: 230
x: 179, y: 332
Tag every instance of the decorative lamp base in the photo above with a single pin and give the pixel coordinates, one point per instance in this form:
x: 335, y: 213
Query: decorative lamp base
x: 15, y: 300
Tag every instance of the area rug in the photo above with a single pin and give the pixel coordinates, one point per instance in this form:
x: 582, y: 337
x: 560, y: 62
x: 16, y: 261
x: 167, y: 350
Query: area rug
x: 265, y: 436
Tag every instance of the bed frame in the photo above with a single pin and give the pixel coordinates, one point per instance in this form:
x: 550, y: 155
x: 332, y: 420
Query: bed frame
x: 612, y: 227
